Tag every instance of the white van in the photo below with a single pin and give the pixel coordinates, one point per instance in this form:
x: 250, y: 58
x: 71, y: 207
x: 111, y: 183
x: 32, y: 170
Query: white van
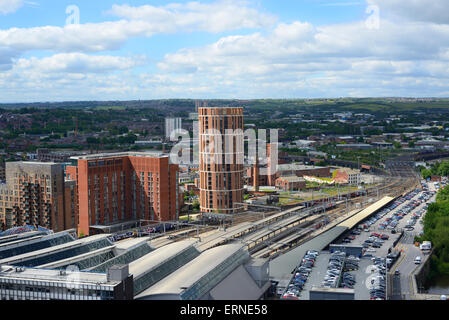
x: 426, y: 245
x: 418, y: 260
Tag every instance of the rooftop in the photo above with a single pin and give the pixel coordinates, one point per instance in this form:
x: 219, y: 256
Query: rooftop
x: 349, y: 170
x: 292, y: 179
x: 33, y: 163
x: 217, y: 259
x: 294, y: 166
x: 92, y: 278
x: 158, y: 256
x: 154, y: 154
x: 51, y: 250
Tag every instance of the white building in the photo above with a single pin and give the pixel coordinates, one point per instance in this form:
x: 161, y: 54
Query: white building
x: 172, y: 124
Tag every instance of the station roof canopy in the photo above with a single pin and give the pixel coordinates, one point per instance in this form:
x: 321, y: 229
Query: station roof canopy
x: 353, y: 221
x: 196, y: 278
x: 283, y: 265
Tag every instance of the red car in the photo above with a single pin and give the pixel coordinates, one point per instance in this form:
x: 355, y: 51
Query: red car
x: 375, y: 235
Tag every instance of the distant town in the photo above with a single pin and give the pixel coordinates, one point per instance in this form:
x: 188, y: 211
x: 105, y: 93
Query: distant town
x: 344, y: 185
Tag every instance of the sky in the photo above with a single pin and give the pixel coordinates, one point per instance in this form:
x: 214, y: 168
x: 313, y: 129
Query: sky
x: 222, y: 49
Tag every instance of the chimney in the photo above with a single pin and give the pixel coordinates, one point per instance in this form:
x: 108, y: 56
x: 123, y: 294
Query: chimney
x: 256, y: 175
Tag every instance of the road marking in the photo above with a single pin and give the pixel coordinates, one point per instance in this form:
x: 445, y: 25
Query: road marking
x: 401, y: 260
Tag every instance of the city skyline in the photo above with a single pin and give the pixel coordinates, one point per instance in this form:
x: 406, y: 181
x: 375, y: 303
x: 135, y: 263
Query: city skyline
x: 183, y: 49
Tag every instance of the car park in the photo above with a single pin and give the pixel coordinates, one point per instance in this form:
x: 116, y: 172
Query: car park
x: 377, y: 289
x: 302, y: 273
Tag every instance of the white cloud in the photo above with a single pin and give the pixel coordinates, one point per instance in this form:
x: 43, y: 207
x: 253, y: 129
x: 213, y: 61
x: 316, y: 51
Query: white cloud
x: 76, y: 63
x: 299, y: 59
x: 299, y: 44
x: 10, y: 6
x: 218, y: 16
x: 136, y: 21
x: 405, y: 57
x: 91, y: 37
x: 435, y: 11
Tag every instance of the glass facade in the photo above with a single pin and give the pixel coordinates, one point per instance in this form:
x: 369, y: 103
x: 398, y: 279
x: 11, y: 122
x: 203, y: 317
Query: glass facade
x: 154, y: 275
x: 125, y: 258
x: 29, y: 247
x: 217, y: 274
x: 30, y: 289
x: 90, y: 261
x: 61, y: 255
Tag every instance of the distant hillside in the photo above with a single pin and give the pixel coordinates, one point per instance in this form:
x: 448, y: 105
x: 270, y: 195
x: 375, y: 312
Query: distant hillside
x: 369, y: 105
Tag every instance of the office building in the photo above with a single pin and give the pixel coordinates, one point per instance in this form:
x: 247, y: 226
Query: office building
x: 221, y: 159
x: 118, y: 187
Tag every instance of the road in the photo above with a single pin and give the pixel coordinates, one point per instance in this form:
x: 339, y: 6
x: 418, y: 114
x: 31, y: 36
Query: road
x: 402, y: 284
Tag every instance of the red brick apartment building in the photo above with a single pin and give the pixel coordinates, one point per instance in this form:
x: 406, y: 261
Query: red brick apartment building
x: 36, y: 193
x: 114, y: 188
x: 220, y: 169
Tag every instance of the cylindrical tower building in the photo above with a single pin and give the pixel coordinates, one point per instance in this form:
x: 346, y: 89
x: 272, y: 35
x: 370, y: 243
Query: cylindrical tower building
x: 221, y: 159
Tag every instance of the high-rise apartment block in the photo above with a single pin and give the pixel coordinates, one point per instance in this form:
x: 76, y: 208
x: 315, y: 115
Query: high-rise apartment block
x: 221, y: 155
x: 34, y: 194
x: 113, y: 188
x: 172, y: 124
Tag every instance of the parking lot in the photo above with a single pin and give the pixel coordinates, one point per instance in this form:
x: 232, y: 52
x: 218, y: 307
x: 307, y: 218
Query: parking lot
x: 378, y: 233
x: 359, y: 276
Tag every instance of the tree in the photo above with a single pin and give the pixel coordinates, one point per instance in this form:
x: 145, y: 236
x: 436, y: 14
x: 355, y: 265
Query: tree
x: 426, y: 173
x: 443, y: 169
x: 196, y: 205
x: 436, y: 230
x: 92, y: 140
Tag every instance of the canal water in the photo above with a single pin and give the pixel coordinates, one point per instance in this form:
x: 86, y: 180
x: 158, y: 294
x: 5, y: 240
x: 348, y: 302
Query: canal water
x: 438, y: 285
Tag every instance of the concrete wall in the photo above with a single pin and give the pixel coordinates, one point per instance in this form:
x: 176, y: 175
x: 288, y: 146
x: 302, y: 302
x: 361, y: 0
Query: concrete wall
x: 318, y: 294
x: 422, y: 272
x: 349, y: 250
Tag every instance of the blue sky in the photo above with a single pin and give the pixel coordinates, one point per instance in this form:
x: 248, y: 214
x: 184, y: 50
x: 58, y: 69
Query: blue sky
x: 223, y: 49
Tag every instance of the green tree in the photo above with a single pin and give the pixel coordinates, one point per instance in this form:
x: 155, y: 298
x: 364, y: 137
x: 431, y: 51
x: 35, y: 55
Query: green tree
x: 196, y: 205
x: 443, y: 169
x: 436, y: 230
x: 426, y: 173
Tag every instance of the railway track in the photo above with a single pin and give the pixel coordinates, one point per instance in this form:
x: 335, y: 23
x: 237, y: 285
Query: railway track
x: 392, y: 187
